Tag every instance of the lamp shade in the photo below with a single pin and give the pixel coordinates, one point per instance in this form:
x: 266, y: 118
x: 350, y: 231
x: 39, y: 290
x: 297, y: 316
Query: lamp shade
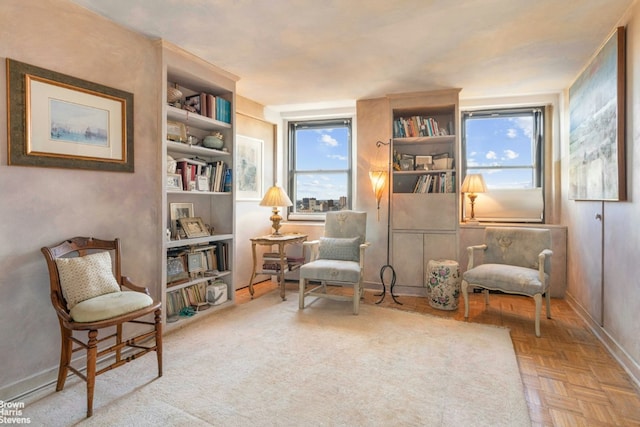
x: 473, y: 183
x: 276, y: 196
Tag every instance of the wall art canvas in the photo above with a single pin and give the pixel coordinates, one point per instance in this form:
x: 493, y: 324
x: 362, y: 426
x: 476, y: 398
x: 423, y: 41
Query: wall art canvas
x: 597, y: 126
x: 249, y: 168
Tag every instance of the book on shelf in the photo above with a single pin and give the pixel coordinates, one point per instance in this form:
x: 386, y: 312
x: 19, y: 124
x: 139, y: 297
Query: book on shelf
x: 443, y: 182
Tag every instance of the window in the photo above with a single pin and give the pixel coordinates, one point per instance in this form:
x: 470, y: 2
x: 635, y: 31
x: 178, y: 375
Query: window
x: 319, y: 167
x: 506, y: 146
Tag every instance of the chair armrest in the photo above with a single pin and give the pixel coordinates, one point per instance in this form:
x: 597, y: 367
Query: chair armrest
x: 542, y: 257
x: 127, y: 283
x: 60, y: 307
x: 312, y: 247
x: 363, y: 246
x: 471, y: 250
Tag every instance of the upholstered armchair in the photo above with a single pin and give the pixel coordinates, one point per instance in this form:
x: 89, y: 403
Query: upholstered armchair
x: 337, y: 258
x: 516, y: 260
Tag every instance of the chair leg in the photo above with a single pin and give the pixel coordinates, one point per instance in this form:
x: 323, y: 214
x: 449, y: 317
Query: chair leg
x: 486, y: 296
x: 356, y: 298
x: 538, y: 299
x: 548, y: 298
x: 301, y: 293
x: 158, y: 325
x: 465, y: 295
x: 92, y: 352
x: 66, y: 349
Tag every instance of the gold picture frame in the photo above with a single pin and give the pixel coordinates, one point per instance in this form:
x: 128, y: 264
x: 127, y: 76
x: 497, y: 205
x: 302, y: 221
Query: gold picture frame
x: 176, y: 131
x: 194, y: 227
x: 56, y: 120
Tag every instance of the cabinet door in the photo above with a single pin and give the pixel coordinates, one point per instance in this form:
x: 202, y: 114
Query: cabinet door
x: 408, y: 259
x: 424, y: 211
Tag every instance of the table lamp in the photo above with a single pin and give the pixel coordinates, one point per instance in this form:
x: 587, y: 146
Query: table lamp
x: 473, y: 183
x: 276, y: 197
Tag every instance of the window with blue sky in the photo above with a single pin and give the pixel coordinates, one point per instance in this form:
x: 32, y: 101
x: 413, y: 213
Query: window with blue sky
x: 320, y: 165
x: 504, y: 146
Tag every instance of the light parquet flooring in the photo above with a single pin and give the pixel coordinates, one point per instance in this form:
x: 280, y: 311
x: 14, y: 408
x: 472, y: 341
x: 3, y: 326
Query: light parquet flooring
x: 569, y: 377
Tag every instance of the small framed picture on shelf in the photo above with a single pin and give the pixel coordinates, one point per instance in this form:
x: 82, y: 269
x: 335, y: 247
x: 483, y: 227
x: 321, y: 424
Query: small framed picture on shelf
x: 196, y: 262
x: 194, y: 227
x: 406, y: 164
x: 424, y: 162
x: 177, y: 211
x: 176, y: 271
x: 174, y: 181
x: 176, y: 131
x: 192, y: 103
x: 202, y: 184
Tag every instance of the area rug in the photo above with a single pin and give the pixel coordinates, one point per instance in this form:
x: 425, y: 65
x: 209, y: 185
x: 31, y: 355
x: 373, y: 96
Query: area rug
x: 265, y: 363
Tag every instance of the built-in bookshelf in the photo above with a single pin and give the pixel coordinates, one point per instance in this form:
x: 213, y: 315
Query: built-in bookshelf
x: 198, y: 100
x: 424, y: 181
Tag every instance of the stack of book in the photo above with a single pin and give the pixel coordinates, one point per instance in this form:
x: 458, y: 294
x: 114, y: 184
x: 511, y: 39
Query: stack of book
x: 435, y: 183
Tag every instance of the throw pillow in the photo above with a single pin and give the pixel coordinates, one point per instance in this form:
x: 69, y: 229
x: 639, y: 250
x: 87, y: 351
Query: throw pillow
x: 345, y: 249
x: 86, y: 277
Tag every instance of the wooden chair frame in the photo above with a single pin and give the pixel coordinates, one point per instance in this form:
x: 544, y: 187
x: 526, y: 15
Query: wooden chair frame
x: 81, y: 246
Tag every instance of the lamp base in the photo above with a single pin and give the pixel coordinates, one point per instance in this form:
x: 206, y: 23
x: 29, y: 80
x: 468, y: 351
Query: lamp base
x: 275, y: 221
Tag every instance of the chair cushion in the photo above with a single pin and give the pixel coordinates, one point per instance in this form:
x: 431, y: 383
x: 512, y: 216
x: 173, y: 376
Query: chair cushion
x: 86, y: 277
x: 331, y: 271
x: 339, y: 248
x: 109, y: 305
x: 507, y: 278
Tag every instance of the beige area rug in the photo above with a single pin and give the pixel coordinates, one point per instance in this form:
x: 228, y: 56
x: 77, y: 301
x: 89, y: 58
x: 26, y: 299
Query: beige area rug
x: 265, y: 363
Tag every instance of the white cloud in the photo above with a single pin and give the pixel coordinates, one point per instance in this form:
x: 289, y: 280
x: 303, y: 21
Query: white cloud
x: 337, y: 157
x: 510, y: 154
x: 491, y: 155
x: 512, y: 133
x: 329, y: 140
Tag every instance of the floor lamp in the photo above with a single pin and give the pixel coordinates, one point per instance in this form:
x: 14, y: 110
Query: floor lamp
x: 378, y: 181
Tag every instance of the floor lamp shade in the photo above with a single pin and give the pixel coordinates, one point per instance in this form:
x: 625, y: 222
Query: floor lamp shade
x: 378, y: 182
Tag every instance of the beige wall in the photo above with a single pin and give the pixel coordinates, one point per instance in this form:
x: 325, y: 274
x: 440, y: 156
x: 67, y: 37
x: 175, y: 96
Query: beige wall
x: 603, y: 267
x: 42, y: 206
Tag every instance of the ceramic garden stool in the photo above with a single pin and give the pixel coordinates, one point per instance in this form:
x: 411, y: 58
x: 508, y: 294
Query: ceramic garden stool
x: 443, y: 284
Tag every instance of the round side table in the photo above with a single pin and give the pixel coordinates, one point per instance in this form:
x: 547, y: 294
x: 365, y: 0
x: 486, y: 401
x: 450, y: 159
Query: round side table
x: 443, y: 284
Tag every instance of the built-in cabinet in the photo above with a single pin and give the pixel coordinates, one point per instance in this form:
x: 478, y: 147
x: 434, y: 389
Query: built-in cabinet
x: 424, y: 182
x: 196, y: 182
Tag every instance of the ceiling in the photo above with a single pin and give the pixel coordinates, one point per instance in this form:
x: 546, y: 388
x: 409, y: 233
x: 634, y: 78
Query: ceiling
x: 289, y: 52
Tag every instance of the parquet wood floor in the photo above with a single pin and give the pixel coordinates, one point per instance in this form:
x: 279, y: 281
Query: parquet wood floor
x: 569, y: 377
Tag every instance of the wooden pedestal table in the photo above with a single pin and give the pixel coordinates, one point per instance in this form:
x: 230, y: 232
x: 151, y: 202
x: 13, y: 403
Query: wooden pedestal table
x: 281, y: 241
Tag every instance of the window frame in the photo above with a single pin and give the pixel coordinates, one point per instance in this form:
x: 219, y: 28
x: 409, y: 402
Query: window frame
x: 538, y: 165
x: 293, y: 172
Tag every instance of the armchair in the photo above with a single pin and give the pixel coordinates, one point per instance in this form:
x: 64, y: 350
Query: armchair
x: 88, y: 294
x: 337, y: 258
x: 516, y: 261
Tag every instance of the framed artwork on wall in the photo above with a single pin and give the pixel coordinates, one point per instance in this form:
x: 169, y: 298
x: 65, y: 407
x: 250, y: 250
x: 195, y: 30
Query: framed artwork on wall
x: 597, y: 126
x: 249, y: 173
x: 61, y: 121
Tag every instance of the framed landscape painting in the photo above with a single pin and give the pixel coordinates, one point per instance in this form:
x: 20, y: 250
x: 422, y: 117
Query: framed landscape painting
x: 597, y: 126
x: 56, y: 120
x: 249, y: 168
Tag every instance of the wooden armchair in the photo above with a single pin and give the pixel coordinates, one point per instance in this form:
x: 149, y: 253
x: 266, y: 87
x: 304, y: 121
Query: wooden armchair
x: 337, y: 258
x: 516, y: 260
x: 88, y: 294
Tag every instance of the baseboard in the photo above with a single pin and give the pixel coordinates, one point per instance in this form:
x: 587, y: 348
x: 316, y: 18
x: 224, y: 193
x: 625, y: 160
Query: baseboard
x: 622, y: 357
x: 31, y: 388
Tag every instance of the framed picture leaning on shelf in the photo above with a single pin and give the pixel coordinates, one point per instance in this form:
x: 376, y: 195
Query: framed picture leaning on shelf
x: 177, y: 211
x: 194, y: 227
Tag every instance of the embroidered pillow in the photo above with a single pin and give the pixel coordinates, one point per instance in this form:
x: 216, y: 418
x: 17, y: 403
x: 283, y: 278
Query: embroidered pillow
x: 344, y: 249
x: 86, y: 277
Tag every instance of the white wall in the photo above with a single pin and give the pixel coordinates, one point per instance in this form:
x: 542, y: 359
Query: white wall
x: 43, y: 206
